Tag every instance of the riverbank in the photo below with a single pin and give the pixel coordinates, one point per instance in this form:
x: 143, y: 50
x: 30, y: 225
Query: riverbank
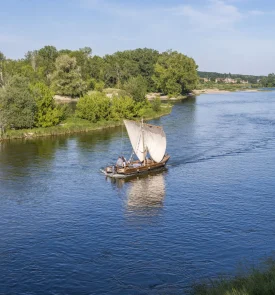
x: 153, y: 95
x: 256, y: 281
x: 76, y: 125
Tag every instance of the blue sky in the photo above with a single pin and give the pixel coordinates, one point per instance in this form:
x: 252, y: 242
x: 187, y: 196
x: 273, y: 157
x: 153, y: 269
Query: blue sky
x: 234, y: 36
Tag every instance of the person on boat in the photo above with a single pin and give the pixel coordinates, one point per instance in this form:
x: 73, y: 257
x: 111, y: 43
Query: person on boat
x: 119, y: 162
x: 124, y: 161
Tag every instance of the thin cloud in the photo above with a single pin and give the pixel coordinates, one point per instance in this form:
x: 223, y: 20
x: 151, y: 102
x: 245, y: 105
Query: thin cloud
x: 108, y: 7
x: 215, y: 15
x: 256, y: 12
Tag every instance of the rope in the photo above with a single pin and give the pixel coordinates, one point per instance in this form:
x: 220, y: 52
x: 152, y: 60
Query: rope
x: 122, y: 141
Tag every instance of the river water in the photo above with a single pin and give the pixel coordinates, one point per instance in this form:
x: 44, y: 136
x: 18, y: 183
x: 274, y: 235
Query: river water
x: 66, y: 229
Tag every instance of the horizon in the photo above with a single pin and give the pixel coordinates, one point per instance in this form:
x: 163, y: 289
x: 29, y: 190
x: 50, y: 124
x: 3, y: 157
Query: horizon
x: 236, y: 33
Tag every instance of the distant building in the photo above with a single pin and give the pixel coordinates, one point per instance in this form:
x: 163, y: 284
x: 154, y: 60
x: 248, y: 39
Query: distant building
x: 205, y: 79
x: 230, y: 80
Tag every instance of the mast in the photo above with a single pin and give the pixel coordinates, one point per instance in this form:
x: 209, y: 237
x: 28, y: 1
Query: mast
x: 153, y: 140
x: 142, y: 134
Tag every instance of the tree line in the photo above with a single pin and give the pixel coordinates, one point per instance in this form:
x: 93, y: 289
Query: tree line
x: 214, y: 75
x: 27, y: 85
x: 268, y: 81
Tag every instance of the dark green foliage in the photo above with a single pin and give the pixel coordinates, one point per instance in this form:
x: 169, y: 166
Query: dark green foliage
x: 175, y: 73
x: 268, y: 81
x: 97, y: 68
x: 42, y: 62
x: 17, y: 104
x: 137, y: 88
x: 121, y: 66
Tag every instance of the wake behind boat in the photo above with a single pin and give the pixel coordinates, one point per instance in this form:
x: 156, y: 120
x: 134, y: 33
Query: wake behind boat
x: 145, y: 139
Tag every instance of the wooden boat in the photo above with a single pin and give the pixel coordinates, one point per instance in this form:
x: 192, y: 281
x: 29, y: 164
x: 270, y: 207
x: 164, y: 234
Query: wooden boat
x: 145, y: 139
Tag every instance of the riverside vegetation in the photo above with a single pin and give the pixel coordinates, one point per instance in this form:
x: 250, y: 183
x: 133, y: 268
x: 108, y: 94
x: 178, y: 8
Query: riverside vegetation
x: 28, y: 86
x: 256, y: 282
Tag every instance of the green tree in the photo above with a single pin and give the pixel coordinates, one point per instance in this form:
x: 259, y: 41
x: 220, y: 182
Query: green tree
x: 121, y: 66
x: 137, y: 88
x: 18, y: 106
x: 123, y: 107
x: 46, y: 58
x: 47, y: 114
x: 97, y: 67
x: 156, y: 104
x: 94, y: 107
x: 67, y: 80
x: 2, y: 60
x: 175, y: 73
x: 42, y: 62
x: 83, y: 56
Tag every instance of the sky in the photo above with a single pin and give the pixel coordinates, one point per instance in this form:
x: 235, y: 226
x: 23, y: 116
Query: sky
x: 236, y: 36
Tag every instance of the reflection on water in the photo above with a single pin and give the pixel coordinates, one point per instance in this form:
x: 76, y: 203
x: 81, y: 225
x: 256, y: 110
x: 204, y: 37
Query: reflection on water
x: 144, y: 194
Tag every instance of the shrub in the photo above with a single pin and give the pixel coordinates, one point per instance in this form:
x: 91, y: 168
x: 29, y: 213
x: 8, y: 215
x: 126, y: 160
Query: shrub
x: 156, y: 104
x: 94, y: 107
x: 124, y: 107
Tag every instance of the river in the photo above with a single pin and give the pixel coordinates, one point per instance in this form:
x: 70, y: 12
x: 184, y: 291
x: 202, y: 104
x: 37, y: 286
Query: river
x: 66, y: 229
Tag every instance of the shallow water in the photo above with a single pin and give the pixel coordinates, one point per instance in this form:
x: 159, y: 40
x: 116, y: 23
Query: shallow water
x: 65, y: 229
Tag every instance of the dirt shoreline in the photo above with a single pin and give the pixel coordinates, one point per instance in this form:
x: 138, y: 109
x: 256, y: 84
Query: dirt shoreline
x: 218, y: 91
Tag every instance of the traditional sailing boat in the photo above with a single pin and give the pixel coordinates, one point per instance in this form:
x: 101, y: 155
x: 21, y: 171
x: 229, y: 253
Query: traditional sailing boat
x: 145, y: 138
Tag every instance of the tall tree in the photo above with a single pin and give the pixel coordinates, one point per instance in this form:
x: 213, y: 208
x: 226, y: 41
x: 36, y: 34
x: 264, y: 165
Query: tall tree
x: 67, y: 80
x: 137, y: 88
x: 175, y: 73
x: 83, y: 56
x: 2, y: 60
x: 18, y: 106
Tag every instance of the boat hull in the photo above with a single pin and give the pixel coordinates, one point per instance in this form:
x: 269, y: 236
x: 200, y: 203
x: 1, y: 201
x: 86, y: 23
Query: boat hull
x: 132, y: 170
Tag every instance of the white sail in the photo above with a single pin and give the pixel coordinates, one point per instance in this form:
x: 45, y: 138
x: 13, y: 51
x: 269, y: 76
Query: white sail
x: 136, y: 138
x: 152, y: 140
x: 155, y: 141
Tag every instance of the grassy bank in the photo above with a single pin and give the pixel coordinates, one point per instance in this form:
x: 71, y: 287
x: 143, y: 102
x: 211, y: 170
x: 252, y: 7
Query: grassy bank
x: 75, y: 125
x: 256, y: 282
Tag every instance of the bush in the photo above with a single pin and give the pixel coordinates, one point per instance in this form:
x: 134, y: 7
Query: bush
x: 156, y: 104
x: 93, y: 84
x: 137, y: 88
x: 94, y: 107
x: 47, y: 113
x: 124, y: 107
